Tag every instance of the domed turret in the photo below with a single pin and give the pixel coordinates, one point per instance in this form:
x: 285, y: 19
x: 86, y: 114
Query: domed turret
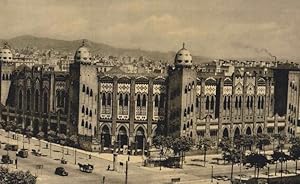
x: 6, y: 54
x: 83, y: 54
x: 183, y: 57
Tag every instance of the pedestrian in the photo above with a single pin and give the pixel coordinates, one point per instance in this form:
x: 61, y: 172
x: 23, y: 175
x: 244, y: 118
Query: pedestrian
x: 90, y: 156
x: 46, y: 145
x: 16, y: 162
x: 103, y: 179
x: 108, y: 167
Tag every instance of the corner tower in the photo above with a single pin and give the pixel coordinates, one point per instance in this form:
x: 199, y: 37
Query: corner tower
x: 7, y: 66
x: 84, y: 84
x: 182, y: 80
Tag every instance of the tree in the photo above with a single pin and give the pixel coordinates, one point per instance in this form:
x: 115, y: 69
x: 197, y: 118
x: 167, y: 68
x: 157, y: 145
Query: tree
x: 7, y: 177
x: 279, y: 156
x: 40, y: 136
x: 182, y: 145
x: 256, y: 160
x: 233, y: 156
x: 295, y: 153
x: 62, y: 140
x: 262, y: 140
x: 52, y: 137
x: 204, y: 144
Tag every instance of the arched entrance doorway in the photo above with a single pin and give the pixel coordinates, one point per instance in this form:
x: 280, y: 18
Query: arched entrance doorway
x: 248, y: 131
x: 139, y: 138
x: 237, y: 132
x: 225, y: 133
x: 259, y: 130
x: 105, y: 137
x: 122, y: 137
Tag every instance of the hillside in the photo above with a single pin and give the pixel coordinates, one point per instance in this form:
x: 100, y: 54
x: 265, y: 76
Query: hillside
x: 96, y: 48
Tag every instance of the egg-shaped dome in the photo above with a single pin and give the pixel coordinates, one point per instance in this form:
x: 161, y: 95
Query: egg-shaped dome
x: 183, y: 57
x: 6, y: 54
x: 83, y: 54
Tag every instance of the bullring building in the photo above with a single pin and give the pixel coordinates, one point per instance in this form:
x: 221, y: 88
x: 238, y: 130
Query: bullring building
x: 118, y: 109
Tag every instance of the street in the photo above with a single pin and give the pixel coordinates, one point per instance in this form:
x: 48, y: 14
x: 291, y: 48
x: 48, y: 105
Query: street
x: 192, y: 171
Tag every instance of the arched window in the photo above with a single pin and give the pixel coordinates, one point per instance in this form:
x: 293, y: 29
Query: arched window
x: 236, y: 102
x: 83, y: 88
x: 185, y: 90
x: 212, y: 103
x: 3, y: 77
x: 229, y: 102
x: 91, y: 92
x: 121, y: 100
x: 144, y: 101
x: 258, y: 103
x: 86, y: 124
x: 262, y: 102
x: 191, y: 122
x: 58, y: 101
x: 82, y: 110
x: 197, y: 102
x: 28, y: 98
x: 192, y: 108
x: 251, y: 102
x: 87, y: 90
x: 156, y: 101
x: 248, y: 102
x: 207, y: 103
x: 45, y: 102
x: 103, y: 99
x: 109, y: 99
x: 82, y: 122
x: 188, y: 125
x: 240, y: 102
x: 184, y: 127
x: 126, y: 100
x: 91, y: 114
x: 20, y: 99
x: 184, y: 113
x: 90, y: 127
x: 36, y: 101
x: 87, y: 111
x: 225, y: 103
x: 138, y: 101
x: 162, y: 101
x: 188, y: 111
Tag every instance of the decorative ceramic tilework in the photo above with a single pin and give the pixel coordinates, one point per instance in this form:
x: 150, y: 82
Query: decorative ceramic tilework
x: 250, y: 90
x: 28, y: 83
x: 239, y: 90
x: 106, y: 87
x: 46, y: 84
x: 250, y: 81
x: 123, y: 88
x: 261, y: 90
x: 60, y: 85
x: 238, y: 80
x: 141, y: 88
x: 227, y: 90
x: 198, y: 88
x: 159, y: 89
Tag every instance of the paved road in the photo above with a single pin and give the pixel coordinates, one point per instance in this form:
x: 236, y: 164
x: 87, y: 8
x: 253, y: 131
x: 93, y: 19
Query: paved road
x: 192, y: 171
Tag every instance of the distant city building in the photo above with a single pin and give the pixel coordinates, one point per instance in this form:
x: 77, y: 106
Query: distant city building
x: 111, y: 106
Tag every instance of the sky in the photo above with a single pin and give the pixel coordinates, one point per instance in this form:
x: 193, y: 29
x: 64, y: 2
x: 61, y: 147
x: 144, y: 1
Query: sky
x: 211, y: 28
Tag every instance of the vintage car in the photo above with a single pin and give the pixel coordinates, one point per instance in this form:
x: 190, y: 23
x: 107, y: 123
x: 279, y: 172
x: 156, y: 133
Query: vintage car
x: 22, y: 153
x: 6, y: 159
x: 61, y: 171
x: 11, y: 147
x: 36, y: 153
x: 88, y: 168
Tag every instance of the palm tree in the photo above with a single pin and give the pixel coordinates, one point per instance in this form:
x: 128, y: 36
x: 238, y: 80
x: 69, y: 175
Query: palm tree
x: 204, y: 144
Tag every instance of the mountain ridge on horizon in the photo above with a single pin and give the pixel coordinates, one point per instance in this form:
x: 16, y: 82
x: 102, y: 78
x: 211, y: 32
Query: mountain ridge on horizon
x: 70, y: 46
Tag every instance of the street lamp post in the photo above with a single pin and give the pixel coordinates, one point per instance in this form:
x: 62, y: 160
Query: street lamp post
x: 212, y: 174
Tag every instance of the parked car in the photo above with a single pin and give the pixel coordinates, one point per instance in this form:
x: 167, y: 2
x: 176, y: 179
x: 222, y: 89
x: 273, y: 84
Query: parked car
x: 61, y: 171
x: 88, y: 168
x: 36, y: 153
x: 6, y: 159
x: 22, y: 153
x: 11, y: 147
x: 63, y: 161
